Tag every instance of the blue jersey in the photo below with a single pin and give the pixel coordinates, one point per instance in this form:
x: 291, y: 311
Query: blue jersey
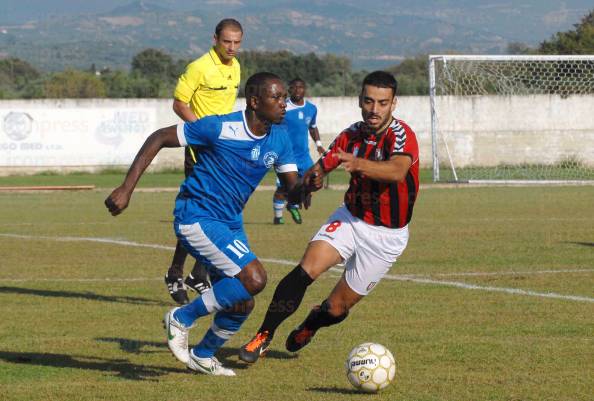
x: 231, y: 162
x: 298, y: 120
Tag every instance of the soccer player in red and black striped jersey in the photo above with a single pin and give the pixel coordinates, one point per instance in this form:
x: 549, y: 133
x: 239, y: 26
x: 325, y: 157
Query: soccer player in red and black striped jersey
x: 368, y: 233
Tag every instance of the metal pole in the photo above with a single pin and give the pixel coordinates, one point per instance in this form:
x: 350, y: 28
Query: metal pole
x: 433, y: 118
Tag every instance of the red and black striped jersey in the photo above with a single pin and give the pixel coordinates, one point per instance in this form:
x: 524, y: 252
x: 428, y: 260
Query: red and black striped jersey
x: 378, y: 203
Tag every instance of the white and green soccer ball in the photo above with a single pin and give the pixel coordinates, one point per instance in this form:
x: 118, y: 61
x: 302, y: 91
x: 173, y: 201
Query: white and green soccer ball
x: 370, y: 367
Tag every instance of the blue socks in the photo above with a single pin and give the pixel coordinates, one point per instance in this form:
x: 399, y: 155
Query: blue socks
x: 225, y: 325
x: 224, y: 294
x: 278, y: 207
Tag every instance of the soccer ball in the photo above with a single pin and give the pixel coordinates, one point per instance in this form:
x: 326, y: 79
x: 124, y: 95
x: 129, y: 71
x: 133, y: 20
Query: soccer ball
x: 370, y: 367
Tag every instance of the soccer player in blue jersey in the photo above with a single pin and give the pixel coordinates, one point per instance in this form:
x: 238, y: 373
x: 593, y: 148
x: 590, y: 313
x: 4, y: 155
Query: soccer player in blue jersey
x: 236, y: 151
x: 300, y: 120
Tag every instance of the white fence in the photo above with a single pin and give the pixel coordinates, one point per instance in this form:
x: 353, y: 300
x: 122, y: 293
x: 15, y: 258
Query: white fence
x: 95, y: 133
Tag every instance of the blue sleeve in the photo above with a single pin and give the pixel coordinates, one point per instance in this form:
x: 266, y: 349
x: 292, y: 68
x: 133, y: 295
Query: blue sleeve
x: 285, y: 161
x: 312, y: 123
x: 202, y: 132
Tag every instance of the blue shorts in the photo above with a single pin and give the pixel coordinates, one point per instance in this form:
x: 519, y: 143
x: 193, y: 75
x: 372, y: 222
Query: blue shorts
x: 222, y: 249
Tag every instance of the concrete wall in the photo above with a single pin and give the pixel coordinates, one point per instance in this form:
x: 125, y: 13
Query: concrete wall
x: 334, y: 114
x: 537, y: 129
x: 480, y: 130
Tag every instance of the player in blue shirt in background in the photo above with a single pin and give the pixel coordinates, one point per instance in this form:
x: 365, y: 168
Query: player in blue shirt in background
x: 235, y: 152
x: 300, y: 121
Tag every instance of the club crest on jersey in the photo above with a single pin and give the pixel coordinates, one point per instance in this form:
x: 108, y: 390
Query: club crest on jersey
x: 301, y: 115
x: 256, y: 152
x: 378, y: 154
x: 270, y: 159
x: 356, y: 151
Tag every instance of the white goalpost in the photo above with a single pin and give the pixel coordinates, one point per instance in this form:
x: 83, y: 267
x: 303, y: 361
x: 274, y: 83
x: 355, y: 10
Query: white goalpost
x: 512, y: 119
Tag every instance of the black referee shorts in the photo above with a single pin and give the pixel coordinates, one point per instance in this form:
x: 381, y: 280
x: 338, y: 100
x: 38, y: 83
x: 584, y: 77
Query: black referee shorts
x: 189, y: 160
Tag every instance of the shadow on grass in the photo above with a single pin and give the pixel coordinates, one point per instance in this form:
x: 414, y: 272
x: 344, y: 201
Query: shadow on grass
x: 136, y: 346
x: 227, y: 355
x: 82, y: 295
x: 337, y: 390
x: 258, y: 223
x: 581, y: 243
x: 245, y: 223
x: 122, y: 368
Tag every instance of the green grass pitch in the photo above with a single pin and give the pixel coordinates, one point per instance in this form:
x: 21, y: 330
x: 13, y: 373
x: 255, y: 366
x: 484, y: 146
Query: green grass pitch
x: 492, y: 300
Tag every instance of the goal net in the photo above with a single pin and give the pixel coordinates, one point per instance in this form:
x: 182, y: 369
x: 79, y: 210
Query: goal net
x: 512, y: 118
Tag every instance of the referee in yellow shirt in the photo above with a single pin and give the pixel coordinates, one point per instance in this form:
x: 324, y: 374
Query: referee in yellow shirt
x: 208, y: 86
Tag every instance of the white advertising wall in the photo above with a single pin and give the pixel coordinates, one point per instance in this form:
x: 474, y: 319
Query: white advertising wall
x: 72, y: 136
x: 90, y: 134
x: 50, y: 134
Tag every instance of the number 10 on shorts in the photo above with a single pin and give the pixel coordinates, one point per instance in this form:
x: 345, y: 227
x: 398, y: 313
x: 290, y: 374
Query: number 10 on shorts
x: 238, y: 248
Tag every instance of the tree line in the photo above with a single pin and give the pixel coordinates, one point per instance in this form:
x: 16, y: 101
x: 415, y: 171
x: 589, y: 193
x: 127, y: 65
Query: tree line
x: 153, y: 73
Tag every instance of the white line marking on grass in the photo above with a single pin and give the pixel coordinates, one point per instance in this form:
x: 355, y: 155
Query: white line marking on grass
x: 284, y: 261
x: 123, y: 243
x: 406, y: 278
x: 467, y: 286
x: 119, y: 242
x: 89, y: 239
x: 515, y: 291
x: 70, y: 223
x: 509, y: 273
x: 79, y: 280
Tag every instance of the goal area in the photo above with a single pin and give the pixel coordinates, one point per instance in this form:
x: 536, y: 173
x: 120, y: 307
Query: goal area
x: 512, y: 119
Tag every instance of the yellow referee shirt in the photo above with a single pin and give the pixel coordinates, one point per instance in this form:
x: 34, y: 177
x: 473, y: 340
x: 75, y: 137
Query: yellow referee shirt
x: 209, y: 86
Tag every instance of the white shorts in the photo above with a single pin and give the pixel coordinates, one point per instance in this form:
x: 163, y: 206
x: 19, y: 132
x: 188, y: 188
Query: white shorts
x: 368, y: 251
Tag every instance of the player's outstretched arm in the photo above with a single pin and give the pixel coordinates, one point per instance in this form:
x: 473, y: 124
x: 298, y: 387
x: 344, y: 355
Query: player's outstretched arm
x: 118, y: 200
x: 289, y: 181
x: 292, y: 188
x: 315, y: 135
x: 300, y: 193
x: 313, y: 179
x: 392, y: 170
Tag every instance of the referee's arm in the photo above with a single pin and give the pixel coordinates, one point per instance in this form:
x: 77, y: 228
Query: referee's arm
x: 187, y: 84
x: 184, y: 111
